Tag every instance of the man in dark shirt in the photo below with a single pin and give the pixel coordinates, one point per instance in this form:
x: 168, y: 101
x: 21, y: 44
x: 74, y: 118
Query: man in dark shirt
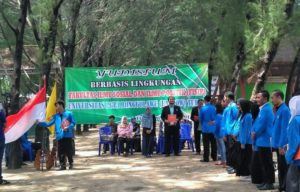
x: 114, y: 129
x: 2, y: 142
x: 197, y: 127
x: 172, y: 126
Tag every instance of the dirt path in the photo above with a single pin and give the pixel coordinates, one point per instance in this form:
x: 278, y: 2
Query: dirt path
x: 134, y: 173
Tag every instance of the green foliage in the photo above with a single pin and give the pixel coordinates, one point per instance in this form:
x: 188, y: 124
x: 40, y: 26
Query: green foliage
x: 263, y: 28
x: 150, y: 32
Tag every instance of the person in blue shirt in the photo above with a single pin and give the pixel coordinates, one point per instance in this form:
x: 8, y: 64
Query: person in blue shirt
x: 261, y: 135
x: 279, y: 136
x: 219, y: 134
x: 256, y: 167
x: 230, y: 116
x: 2, y: 142
x: 64, y: 124
x: 244, y: 138
x: 197, y: 125
x: 293, y: 134
x: 207, y: 118
x: 231, y: 113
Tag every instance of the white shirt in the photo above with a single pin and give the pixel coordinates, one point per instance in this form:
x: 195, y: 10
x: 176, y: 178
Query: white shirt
x: 263, y: 105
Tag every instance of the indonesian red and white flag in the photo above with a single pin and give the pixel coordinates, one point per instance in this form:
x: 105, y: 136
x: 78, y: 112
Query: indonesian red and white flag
x: 34, y: 110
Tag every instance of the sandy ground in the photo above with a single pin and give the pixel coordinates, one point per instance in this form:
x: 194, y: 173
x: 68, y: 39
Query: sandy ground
x: 133, y: 173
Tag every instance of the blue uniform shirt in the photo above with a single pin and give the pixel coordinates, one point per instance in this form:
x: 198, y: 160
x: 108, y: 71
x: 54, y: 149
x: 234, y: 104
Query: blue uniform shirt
x: 263, y: 126
x: 236, y: 128
x: 244, y: 136
x: 57, y: 120
x: 293, y: 135
x: 207, y: 114
x: 219, y: 133
x: 281, y: 122
x: 2, y: 122
x: 230, y: 116
x: 254, y: 147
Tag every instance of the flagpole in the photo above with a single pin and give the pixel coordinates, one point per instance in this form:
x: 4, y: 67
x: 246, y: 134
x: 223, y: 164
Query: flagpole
x: 44, y: 133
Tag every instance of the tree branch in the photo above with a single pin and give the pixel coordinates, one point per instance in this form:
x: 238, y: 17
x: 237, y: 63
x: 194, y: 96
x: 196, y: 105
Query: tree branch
x: 8, y: 23
x: 6, y: 39
x: 34, y: 26
x: 29, y: 58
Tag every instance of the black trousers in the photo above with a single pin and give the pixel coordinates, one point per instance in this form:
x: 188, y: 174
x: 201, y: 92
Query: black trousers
x: 244, y: 160
x: 266, y: 159
x: 293, y: 179
x: 171, y: 136
x: 256, y: 169
x: 210, y: 145
x: 123, y: 140
x: 147, y: 145
x: 282, y: 170
x: 137, y: 144
x: 65, y: 149
x: 229, y: 150
x: 197, y: 135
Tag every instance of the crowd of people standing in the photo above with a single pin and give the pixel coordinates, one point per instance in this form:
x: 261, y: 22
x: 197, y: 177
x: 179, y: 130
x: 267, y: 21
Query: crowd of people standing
x: 240, y: 136
x: 245, y: 134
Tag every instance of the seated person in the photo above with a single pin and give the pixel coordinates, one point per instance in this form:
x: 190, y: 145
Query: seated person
x: 114, y: 128
x: 26, y: 148
x: 137, y: 135
x: 125, y: 134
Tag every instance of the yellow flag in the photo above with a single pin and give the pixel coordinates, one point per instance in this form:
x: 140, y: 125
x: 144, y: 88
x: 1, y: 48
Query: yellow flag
x: 50, y: 111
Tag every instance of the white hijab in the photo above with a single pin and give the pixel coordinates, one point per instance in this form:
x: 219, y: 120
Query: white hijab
x: 122, y: 119
x: 294, y: 105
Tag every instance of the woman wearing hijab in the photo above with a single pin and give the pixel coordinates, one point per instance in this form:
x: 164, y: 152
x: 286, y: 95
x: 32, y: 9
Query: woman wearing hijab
x: 147, y: 123
x: 219, y: 135
x: 137, y: 135
x: 244, y: 138
x: 293, y: 149
x: 125, y: 134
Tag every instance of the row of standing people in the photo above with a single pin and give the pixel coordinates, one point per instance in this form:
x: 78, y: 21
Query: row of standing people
x: 246, y: 133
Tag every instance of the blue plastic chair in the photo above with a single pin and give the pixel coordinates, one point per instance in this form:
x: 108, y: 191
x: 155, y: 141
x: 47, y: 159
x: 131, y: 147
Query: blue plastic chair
x: 186, y: 136
x: 103, y: 133
x: 160, y: 148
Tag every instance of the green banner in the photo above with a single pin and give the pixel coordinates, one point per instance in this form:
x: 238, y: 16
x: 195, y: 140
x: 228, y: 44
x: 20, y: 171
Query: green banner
x: 93, y: 94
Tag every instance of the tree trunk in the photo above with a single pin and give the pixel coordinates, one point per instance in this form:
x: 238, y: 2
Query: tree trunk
x: 49, y: 42
x: 297, y: 85
x: 14, y: 151
x: 211, y: 60
x: 262, y: 77
x: 87, y: 51
x: 293, y: 77
x: 78, y: 129
x: 48, y: 47
x: 69, y: 47
x: 240, y: 58
x: 85, y: 128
